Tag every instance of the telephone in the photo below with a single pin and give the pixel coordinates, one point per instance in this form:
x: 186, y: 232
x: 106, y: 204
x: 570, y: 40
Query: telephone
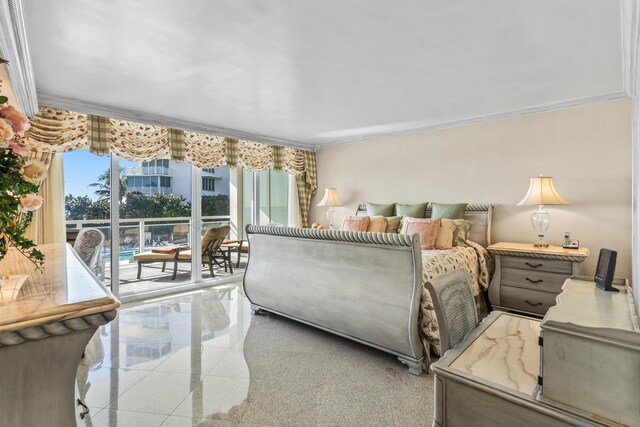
x: 567, y: 243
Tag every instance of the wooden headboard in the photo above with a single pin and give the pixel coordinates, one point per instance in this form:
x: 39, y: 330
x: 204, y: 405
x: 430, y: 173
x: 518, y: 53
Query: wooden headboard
x: 480, y: 215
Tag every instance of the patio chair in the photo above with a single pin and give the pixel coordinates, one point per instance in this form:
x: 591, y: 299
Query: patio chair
x: 211, y: 251
x: 240, y: 247
x: 180, y: 234
x: 167, y: 254
x: 87, y: 245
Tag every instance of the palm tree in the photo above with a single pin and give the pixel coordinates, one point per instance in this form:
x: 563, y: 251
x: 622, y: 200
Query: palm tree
x: 104, y: 186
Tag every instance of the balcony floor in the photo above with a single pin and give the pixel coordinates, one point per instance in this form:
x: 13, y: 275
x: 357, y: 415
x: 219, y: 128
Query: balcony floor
x: 153, y: 278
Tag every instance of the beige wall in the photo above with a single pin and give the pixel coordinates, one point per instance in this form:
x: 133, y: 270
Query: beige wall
x: 587, y: 150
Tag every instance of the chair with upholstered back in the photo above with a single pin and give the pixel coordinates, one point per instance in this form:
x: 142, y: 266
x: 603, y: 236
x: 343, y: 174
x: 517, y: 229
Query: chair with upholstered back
x: 455, y: 307
x: 88, y: 245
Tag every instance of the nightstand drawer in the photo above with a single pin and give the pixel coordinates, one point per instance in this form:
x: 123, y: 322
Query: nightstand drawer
x: 533, y: 264
x: 534, y: 280
x: 526, y: 300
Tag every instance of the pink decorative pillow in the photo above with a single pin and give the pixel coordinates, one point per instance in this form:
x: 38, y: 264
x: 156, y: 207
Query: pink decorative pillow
x: 426, y: 228
x: 355, y: 223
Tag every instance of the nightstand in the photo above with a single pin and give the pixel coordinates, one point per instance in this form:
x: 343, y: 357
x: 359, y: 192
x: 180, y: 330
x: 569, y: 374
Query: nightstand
x: 528, y: 279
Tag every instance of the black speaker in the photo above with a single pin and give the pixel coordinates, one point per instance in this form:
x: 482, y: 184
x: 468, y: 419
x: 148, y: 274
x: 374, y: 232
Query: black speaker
x: 605, y: 270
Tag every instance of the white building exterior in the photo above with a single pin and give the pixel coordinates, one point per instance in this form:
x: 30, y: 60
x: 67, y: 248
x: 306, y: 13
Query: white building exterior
x: 167, y: 177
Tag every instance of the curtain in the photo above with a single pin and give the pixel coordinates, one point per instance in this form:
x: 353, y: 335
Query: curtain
x: 98, y: 135
x: 50, y: 217
x: 55, y: 131
x: 307, y: 185
x: 137, y: 141
x: 293, y: 207
x: 205, y: 151
x: 48, y: 222
x: 255, y: 156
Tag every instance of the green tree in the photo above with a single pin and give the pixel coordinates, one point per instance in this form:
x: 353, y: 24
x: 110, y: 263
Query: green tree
x: 100, y: 209
x: 215, y: 205
x: 77, y: 207
x: 103, y: 186
x: 156, y: 205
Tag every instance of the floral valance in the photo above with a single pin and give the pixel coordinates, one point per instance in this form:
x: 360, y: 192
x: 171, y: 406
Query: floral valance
x: 55, y: 131
x: 58, y: 131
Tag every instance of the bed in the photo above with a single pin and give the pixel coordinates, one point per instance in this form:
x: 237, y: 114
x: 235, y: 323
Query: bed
x: 367, y: 287
x: 472, y: 258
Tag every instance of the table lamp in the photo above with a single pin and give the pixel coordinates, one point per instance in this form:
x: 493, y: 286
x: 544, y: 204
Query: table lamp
x: 330, y: 199
x: 541, y: 192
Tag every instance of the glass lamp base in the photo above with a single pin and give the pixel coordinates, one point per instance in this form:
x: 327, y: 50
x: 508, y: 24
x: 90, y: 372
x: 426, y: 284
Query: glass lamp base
x: 540, y: 220
x: 330, y: 217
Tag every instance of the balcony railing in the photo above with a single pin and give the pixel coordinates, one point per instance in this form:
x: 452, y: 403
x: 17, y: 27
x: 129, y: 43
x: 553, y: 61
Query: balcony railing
x: 155, y: 170
x: 150, y: 190
x: 147, y: 170
x: 139, y: 234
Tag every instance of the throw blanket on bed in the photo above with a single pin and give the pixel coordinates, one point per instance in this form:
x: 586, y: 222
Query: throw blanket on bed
x: 475, y: 260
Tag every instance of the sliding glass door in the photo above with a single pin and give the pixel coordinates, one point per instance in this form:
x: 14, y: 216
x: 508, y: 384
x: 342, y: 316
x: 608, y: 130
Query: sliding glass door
x: 266, y: 197
x: 164, y: 209
x: 87, y: 189
x: 155, y: 225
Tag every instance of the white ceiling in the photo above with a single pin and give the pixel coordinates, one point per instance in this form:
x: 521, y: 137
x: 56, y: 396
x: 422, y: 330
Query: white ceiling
x: 319, y: 73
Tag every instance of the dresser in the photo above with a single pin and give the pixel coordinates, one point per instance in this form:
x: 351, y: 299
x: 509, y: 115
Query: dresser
x: 528, y: 279
x: 591, y: 352
x: 584, y: 371
x: 46, y: 321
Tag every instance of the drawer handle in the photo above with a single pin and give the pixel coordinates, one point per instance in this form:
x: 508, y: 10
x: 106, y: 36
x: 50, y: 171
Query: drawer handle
x: 533, y: 265
x: 533, y: 281
x: 532, y: 304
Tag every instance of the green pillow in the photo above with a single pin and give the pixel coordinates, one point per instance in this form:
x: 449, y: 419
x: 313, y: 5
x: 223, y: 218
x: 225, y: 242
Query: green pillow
x: 393, y: 224
x: 417, y: 210
x: 461, y: 234
x: 374, y: 209
x: 448, y: 211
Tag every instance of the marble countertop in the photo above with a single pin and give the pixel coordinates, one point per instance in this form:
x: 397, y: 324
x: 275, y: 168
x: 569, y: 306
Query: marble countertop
x: 66, y: 289
x: 506, y: 353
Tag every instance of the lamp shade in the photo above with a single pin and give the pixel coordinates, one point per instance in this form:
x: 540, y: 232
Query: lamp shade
x: 330, y: 198
x: 542, y: 192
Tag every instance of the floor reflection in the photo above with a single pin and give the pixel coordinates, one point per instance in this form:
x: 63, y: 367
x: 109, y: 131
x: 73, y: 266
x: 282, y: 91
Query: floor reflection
x: 201, y: 359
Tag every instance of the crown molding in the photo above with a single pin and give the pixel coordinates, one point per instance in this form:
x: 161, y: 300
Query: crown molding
x: 481, y: 119
x: 14, y: 48
x: 84, y: 107
x: 80, y: 106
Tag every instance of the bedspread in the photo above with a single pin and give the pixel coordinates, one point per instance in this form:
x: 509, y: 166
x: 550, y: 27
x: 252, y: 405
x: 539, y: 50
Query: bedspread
x: 475, y: 260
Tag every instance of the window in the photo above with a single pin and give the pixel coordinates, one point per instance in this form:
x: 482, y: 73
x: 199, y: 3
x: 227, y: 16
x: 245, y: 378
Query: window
x: 209, y: 170
x: 265, y: 197
x: 208, y: 184
x: 154, y: 214
x: 154, y: 210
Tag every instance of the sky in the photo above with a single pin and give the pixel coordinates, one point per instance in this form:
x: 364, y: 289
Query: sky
x: 82, y: 168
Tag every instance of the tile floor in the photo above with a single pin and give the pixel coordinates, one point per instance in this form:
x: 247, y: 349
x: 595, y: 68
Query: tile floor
x: 154, y: 278
x: 202, y: 359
